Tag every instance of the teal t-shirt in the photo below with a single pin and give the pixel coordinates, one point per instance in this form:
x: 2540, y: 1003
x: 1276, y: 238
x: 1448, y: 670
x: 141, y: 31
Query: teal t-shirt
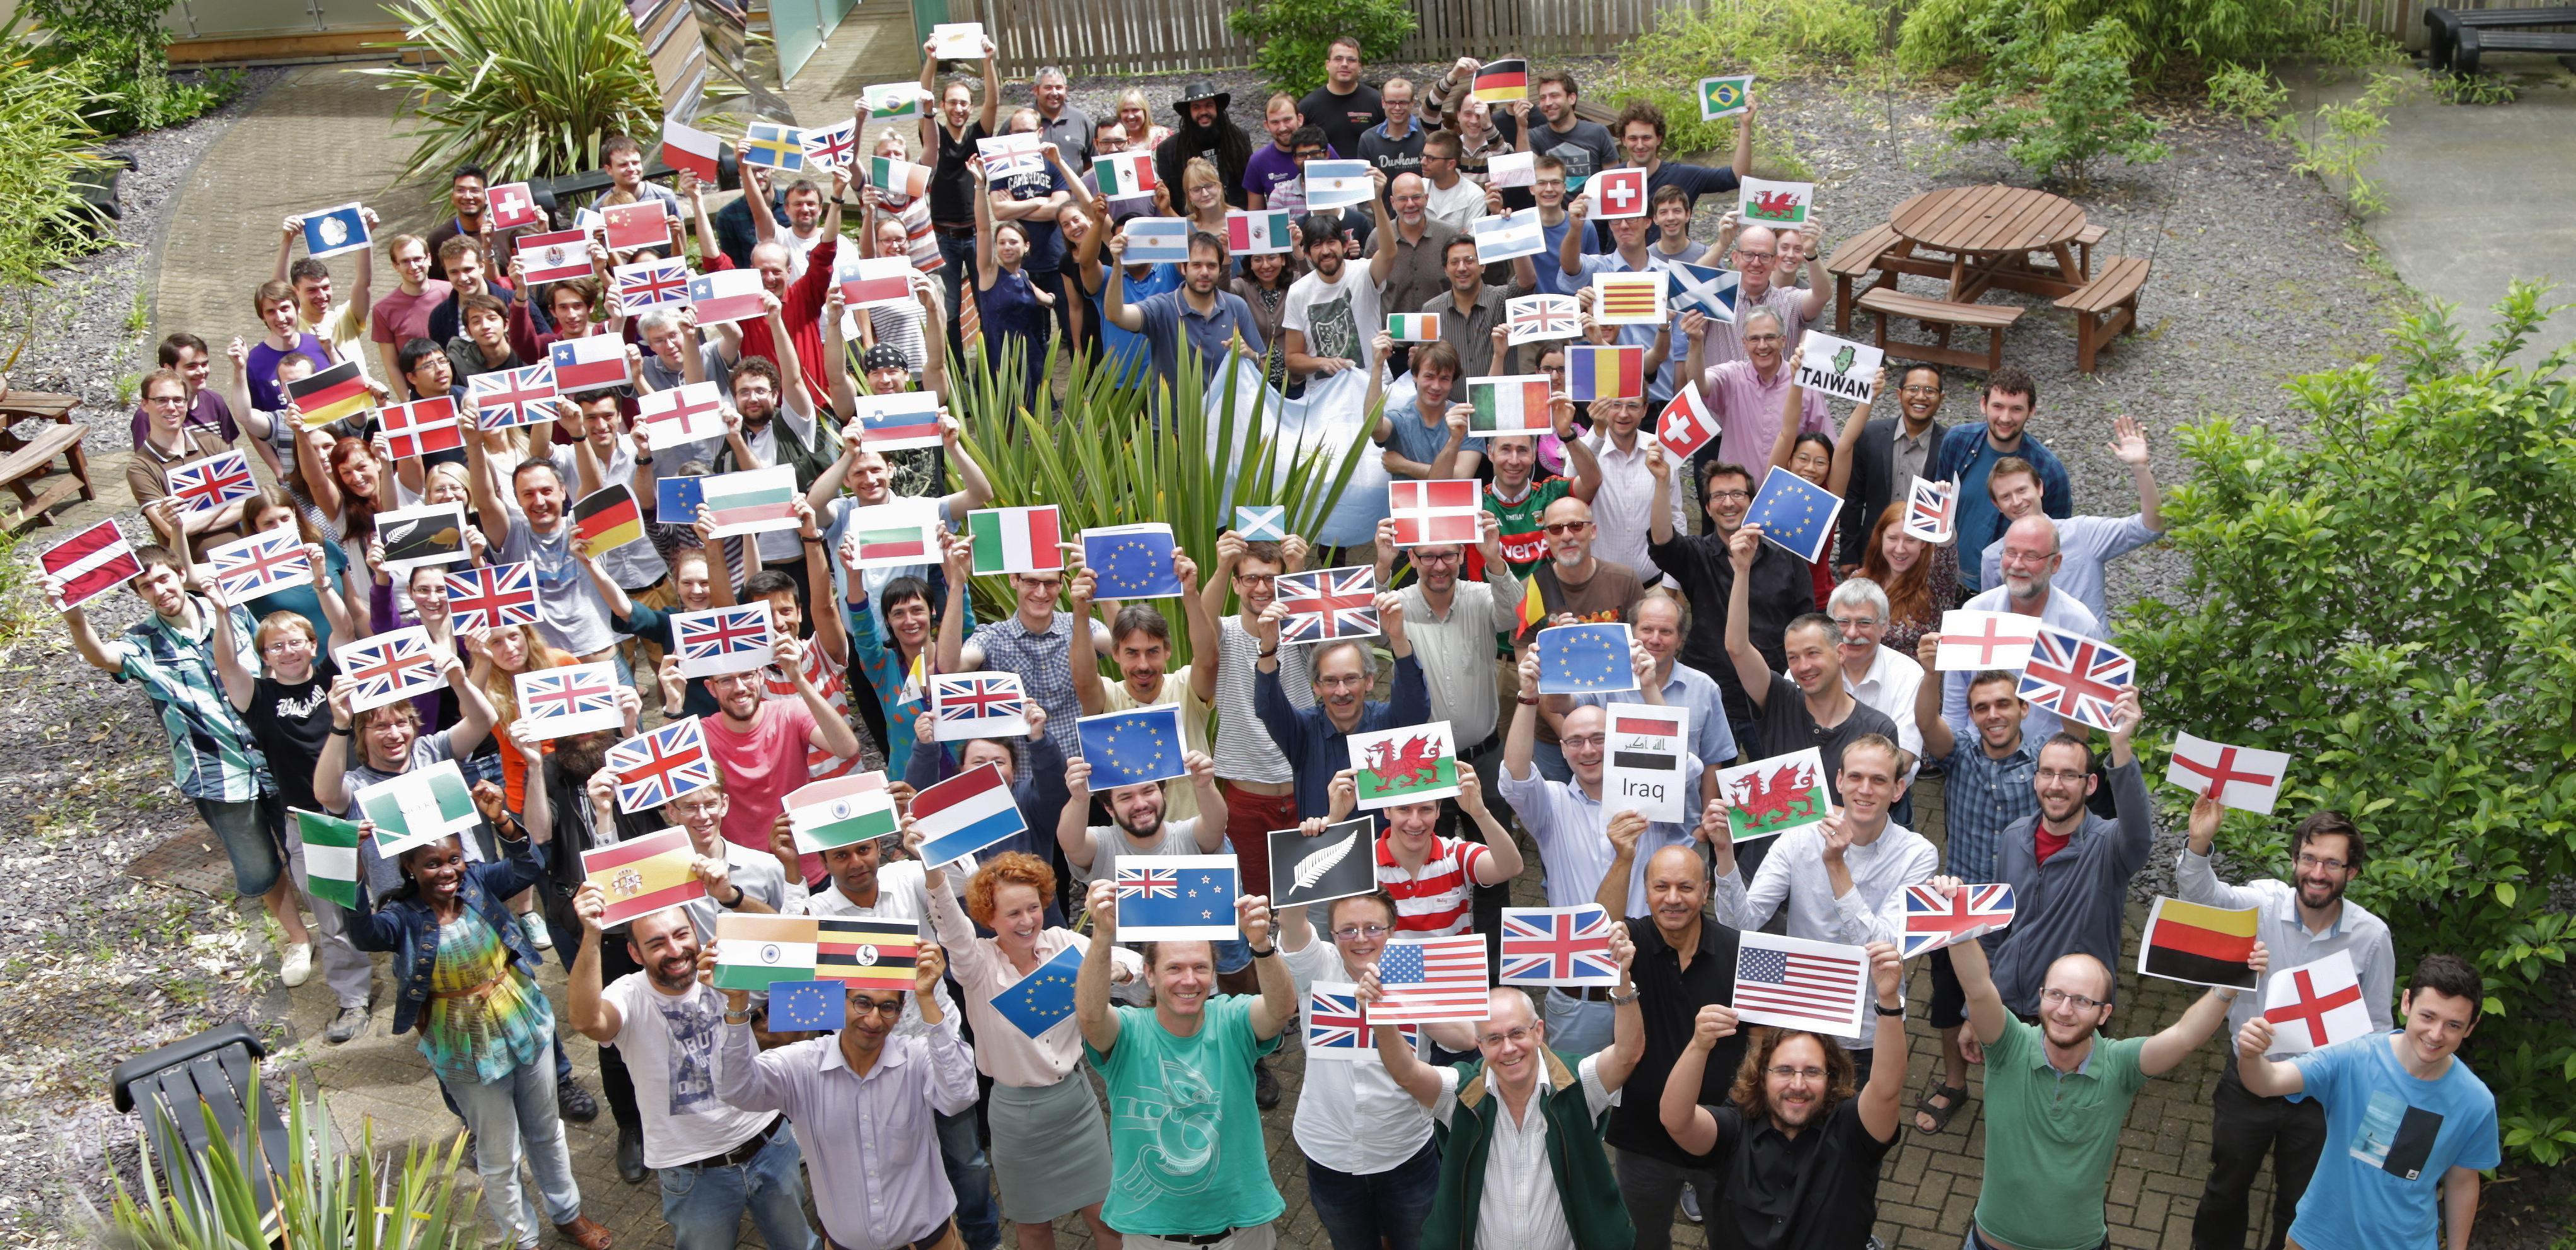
x: 2051, y: 1138
x: 1185, y: 1147
x: 2390, y: 1137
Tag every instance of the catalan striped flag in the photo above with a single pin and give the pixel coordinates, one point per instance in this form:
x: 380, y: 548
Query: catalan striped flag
x: 1628, y: 298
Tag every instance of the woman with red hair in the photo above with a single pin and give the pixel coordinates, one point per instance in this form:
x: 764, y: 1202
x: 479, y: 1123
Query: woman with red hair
x: 1920, y: 578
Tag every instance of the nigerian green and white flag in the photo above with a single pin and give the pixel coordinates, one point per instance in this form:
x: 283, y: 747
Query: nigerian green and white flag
x: 330, y: 856
x: 418, y: 807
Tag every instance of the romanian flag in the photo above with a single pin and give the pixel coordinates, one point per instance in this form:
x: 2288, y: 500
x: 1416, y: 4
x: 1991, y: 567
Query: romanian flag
x: 607, y: 519
x: 2201, y: 945
x: 752, y: 951
x: 644, y: 875
x: 1501, y: 82
x: 861, y: 951
x: 1605, y: 373
x: 327, y: 396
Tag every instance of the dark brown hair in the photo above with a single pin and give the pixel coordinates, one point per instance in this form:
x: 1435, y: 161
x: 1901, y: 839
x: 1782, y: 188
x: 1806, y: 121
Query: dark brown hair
x: 1748, y: 1093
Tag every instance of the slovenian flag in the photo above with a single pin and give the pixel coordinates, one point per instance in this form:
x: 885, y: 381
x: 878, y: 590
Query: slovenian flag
x: 690, y: 149
x: 589, y: 363
x: 965, y: 814
x: 840, y: 811
x: 1413, y: 327
x: 1605, y: 373
x: 896, y: 422
x: 1016, y: 540
x: 1256, y: 233
x: 1124, y: 175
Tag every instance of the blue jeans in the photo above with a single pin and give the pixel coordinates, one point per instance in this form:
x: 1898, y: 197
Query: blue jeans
x: 1358, y: 1210
x: 1576, y: 1026
x: 251, y: 831
x: 979, y: 1218
x: 705, y: 1205
x: 507, y: 1114
x: 957, y: 270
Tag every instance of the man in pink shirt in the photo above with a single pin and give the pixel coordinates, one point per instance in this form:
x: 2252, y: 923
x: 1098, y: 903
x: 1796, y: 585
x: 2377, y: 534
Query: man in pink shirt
x: 1747, y: 396
x: 403, y: 314
x: 760, y: 742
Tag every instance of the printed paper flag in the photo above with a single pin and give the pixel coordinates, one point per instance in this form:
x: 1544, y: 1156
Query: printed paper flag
x: 1262, y: 523
x: 1132, y: 561
x: 1839, y: 367
x: 627, y: 227
x: 1605, y: 372
x: 390, y: 667
x: 511, y: 205
x: 90, y: 563
x: 588, y: 363
x: 1512, y: 169
x: 1176, y: 897
x: 894, y: 535
x: 1337, y: 1027
x: 1585, y: 659
x: 691, y: 149
x: 2198, y: 944
x: 1337, y: 863
x: 1256, y: 233
x: 1431, y: 981
x: 957, y: 41
x: 253, y: 566
x: 1775, y: 203
x: 881, y: 954
x: 1157, y: 240
x: 553, y: 257
x: 1795, y: 514
x: 808, y: 1007
x: 978, y: 705
x: 2246, y: 778
x: 1447, y: 511
x: 1124, y: 175
x: 422, y: 426
x: 607, y: 519
x: 831, y: 146
x: 1725, y: 96
x: 1536, y: 317
x: 644, y: 875
x: 508, y: 398
x: 1133, y: 747
x: 1012, y: 156
x: 1801, y: 984
x: 331, y: 231
x: 1617, y: 193
x: 876, y: 282
x: 656, y: 767
x: 1687, y: 424
x: 330, y: 395
x: 1044, y: 998
x: 965, y: 814
x: 1511, y: 405
x: 2315, y: 1005
x: 840, y: 811
x: 569, y: 699
x: 899, y: 422
x: 754, y: 951
x: 1508, y: 235
x: 1709, y: 291
x: 1929, y: 510
x: 330, y: 856
x: 752, y: 500
x: 716, y: 641
x: 1628, y: 298
x: 1646, y: 765
x: 689, y: 413
x: 894, y: 101
x: 727, y: 295
x: 208, y: 484
x: 1413, y: 327
x: 2076, y: 677
x: 417, y: 807
x: 1337, y: 184
x: 895, y: 177
x: 1933, y: 920
x: 770, y: 145
x: 1017, y: 540
x: 432, y: 533
x: 1558, y: 946
x: 1403, y: 765
x: 1325, y: 604
x: 1974, y: 641
x: 677, y: 499
x: 1773, y: 796
x: 1501, y: 82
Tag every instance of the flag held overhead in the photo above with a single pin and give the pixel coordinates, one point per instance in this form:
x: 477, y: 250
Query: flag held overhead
x: 2199, y: 944
x: 644, y: 875
x: 90, y: 563
x: 2245, y: 778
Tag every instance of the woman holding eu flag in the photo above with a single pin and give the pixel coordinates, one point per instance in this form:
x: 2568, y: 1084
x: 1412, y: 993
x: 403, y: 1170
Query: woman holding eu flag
x: 1050, y: 1146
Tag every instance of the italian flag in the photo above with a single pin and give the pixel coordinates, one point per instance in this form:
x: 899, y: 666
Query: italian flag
x: 1016, y: 540
x: 839, y: 812
x: 1509, y: 405
x: 752, y: 951
x: 330, y: 856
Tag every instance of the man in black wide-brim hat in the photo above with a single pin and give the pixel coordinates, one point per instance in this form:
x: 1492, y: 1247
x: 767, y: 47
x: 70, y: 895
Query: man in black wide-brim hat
x: 1205, y: 130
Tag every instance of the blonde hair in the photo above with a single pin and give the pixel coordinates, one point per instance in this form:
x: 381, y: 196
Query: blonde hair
x: 1200, y: 169
x: 282, y: 619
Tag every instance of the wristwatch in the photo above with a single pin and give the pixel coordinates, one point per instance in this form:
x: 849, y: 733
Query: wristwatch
x: 1617, y: 1001
x: 738, y: 1017
x: 737, y: 899
x: 1897, y: 1011
x: 1262, y: 954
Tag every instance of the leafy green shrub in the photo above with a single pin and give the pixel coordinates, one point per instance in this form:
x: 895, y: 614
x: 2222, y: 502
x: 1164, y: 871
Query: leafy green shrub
x: 1290, y: 37
x: 42, y: 137
x: 1949, y: 34
x: 2342, y: 140
x: 1768, y: 38
x: 2387, y: 598
x: 2084, y: 111
x: 2248, y: 93
x: 2472, y: 88
x: 116, y: 54
x: 524, y: 90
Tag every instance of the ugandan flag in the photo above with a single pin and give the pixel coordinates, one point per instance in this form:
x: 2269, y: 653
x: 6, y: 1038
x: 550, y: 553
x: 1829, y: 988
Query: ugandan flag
x: 643, y: 875
x: 330, y: 395
x: 861, y: 951
x: 2201, y: 945
x: 607, y: 519
x: 1502, y: 82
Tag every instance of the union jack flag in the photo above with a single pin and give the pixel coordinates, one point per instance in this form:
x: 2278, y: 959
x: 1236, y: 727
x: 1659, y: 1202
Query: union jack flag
x: 1328, y: 604
x: 1927, y: 510
x: 1543, y: 317
x: 650, y: 284
x: 390, y: 666
x: 2076, y: 677
x: 1337, y: 1027
x: 980, y: 696
x: 513, y: 397
x: 654, y: 768
x: 1933, y: 921
x: 253, y: 565
x: 1148, y: 883
x: 489, y: 598
x: 724, y: 635
x: 830, y: 148
x: 569, y: 692
x: 212, y: 482
x: 1558, y: 946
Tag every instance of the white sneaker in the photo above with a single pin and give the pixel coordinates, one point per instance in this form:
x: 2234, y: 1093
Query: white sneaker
x: 538, y: 933
x: 295, y: 964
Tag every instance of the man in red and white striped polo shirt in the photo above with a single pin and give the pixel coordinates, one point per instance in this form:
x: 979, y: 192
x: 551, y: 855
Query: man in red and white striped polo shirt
x: 1431, y: 878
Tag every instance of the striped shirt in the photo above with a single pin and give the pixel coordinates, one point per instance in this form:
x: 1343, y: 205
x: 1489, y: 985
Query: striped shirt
x: 1984, y: 796
x: 1437, y: 900
x: 1244, y: 751
x: 211, y: 752
x: 831, y: 682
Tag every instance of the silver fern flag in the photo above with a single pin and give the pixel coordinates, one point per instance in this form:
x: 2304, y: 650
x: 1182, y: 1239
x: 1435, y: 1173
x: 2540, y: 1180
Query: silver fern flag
x: 1337, y: 863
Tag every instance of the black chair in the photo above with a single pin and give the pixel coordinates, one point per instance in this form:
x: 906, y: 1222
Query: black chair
x: 216, y: 1069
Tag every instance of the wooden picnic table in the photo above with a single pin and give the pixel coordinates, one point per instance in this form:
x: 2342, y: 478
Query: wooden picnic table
x: 1989, y: 233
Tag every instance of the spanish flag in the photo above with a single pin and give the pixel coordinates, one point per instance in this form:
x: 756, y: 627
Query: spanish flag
x: 2201, y: 945
x: 877, y: 953
x: 643, y: 875
x: 325, y: 397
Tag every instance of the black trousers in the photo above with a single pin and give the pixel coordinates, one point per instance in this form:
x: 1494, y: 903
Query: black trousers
x: 2243, y: 1128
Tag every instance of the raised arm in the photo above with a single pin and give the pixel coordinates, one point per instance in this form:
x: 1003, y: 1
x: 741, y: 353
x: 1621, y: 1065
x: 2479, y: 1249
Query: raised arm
x: 1986, y: 1015
x: 1880, y: 1098
x: 2166, y: 1050
x: 2129, y: 444
x: 1091, y: 1008
x: 1627, y: 1023
x: 1692, y: 1126
x: 1847, y: 444
x: 236, y: 677
x: 1408, y: 1070
x: 1750, y: 667
x: 1938, y: 741
x: 595, y: 1018
x: 1276, y: 1009
x: 1114, y: 307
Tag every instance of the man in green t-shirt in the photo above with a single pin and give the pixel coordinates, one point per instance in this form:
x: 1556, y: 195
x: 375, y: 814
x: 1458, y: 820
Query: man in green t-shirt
x: 2057, y: 1094
x: 1187, y: 1160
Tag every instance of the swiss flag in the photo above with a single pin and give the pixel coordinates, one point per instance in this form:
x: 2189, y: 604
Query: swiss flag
x: 589, y: 363
x: 511, y: 206
x: 1617, y: 193
x: 1688, y: 425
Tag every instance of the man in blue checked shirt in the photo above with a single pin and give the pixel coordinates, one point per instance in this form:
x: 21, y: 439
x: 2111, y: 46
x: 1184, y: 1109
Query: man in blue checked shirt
x: 1316, y: 740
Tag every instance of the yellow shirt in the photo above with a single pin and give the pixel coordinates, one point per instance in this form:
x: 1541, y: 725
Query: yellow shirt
x: 1181, y: 798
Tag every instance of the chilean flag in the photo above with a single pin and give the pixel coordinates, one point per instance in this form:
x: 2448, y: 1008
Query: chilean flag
x: 589, y: 363
x: 726, y: 295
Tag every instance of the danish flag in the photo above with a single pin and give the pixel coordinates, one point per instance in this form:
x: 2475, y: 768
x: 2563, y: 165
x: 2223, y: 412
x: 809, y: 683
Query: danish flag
x: 422, y: 426
x: 1328, y: 604
x: 490, y: 598
x: 2077, y: 678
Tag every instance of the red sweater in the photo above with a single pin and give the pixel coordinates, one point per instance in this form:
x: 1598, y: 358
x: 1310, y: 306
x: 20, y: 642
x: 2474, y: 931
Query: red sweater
x: 803, y: 313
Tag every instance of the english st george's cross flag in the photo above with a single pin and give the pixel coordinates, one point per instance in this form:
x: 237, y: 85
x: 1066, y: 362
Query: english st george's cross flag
x: 1132, y: 747
x: 771, y: 145
x: 1801, y: 984
x: 658, y: 766
x: 1516, y: 404
x: 1125, y: 175
x: 1795, y: 514
x: 2198, y: 944
x: 1929, y: 509
x: 588, y: 363
x: 330, y: 856
x: 1016, y: 540
x: 808, y: 1006
x: 1687, y: 424
x: 1338, y: 184
x: 1507, y: 236
x: 331, y: 231
x: 208, y: 484
x: 1773, y: 796
x: 690, y: 413
x: 1256, y: 233
x: 1328, y: 603
x: 1617, y: 193
x: 1709, y: 291
x: 2245, y: 778
x: 1431, y: 980
x: 684, y: 147
x: 569, y: 699
x: 753, y: 951
x: 865, y: 950
x: 1585, y: 659
x: 493, y: 596
x: 422, y: 426
x: 726, y: 295
x: 627, y: 227
x: 90, y: 563
x: 1974, y: 641
x: 1535, y: 317
x: 1593, y: 372
x: 1337, y: 1027
x: 511, y: 205
x: 330, y: 395
x: 716, y: 641
x: 252, y: 566
x: 1724, y: 96
x: 644, y: 875
x: 831, y: 147
x: 1177, y: 898
x: 1413, y: 327
x: 1558, y: 946
x: 1933, y: 920
x: 1445, y: 511
x: 1044, y: 998
x: 965, y: 814
x: 2315, y: 1005
x: 840, y: 811
x: 977, y: 705
x: 1502, y: 82
x: 647, y: 284
x: 903, y: 421
x: 390, y: 667
x: 2076, y: 677
x: 555, y: 256
x: 1406, y: 764
x: 506, y: 398
x: 416, y: 807
x: 1628, y: 298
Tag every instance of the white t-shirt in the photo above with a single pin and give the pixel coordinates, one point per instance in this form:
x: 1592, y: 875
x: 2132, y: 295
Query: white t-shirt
x: 633, y: 564
x: 1352, y: 1117
x: 1337, y: 318
x: 669, y: 1046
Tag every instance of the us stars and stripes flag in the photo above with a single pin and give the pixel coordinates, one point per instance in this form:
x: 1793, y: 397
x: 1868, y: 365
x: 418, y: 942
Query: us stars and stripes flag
x: 1337, y: 1027
x: 1933, y: 921
x: 646, y: 284
x: 978, y: 705
x: 1535, y: 317
x: 204, y: 485
x: 254, y: 565
x: 493, y: 596
x: 717, y: 641
x: 505, y: 398
x: 422, y: 426
x: 1328, y: 603
x: 569, y: 699
x: 690, y: 413
x: 1431, y: 980
x: 390, y: 667
x: 1802, y: 984
x: 654, y: 768
x: 1558, y: 946
x: 2076, y: 677
x: 90, y: 563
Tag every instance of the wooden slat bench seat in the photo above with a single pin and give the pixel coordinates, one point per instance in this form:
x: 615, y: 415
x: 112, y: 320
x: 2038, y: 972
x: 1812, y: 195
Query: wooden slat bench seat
x: 1858, y: 257
x: 29, y: 472
x: 2106, y: 306
x: 1890, y: 304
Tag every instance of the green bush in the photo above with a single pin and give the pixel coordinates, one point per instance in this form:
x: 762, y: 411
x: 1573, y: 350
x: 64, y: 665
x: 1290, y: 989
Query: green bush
x: 1290, y: 37
x: 524, y: 88
x: 42, y: 141
x: 2084, y: 111
x: 2341, y: 141
x: 116, y: 55
x: 1947, y: 34
x: 1770, y: 39
x: 2387, y: 597
x: 2250, y: 94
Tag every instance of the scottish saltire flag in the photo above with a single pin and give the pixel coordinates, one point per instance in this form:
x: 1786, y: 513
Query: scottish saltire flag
x: 1704, y: 289
x: 808, y: 1006
x: 1338, y: 1027
x: 1328, y: 603
x: 264, y: 561
x: 644, y: 284
x: 1933, y: 920
x: 1133, y: 747
x: 1687, y: 424
x: 1585, y: 659
x: 717, y: 641
x: 832, y: 147
x: 2076, y: 677
x: 1016, y: 540
x: 1044, y: 998
x: 1558, y: 946
x: 1795, y: 514
x: 331, y: 231
x: 422, y: 426
x: 965, y: 814
x: 330, y: 856
x: 1431, y: 980
x: 1261, y: 523
x: 1593, y: 372
x: 90, y: 563
x: 390, y: 667
x: 506, y: 398
x: 1801, y: 984
x: 204, y: 485
x: 656, y: 767
x: 1157, y: 240
x: 1256, y: 233
x: 569, y: 699
x: 1176, y: 897
x: 1132, y: 561
x: 773, y: 146
x: 978, y: 705
x: 1535, y: 317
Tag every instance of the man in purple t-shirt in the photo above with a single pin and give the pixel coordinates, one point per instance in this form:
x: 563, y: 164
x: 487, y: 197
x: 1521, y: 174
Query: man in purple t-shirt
x: 1271, y: 178
x: 207, y: 410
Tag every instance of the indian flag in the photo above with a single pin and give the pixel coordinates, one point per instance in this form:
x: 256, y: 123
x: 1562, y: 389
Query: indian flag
x: 1508, y: 405
x: 1413, y: 327
x: 330, y: 856
x: 1124, y: 175
x: 752, y: 951
x: 1016, y: 540
x: 644, y: 875
x: 839, y: 812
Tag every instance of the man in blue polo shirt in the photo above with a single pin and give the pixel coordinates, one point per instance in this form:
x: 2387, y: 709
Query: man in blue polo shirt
x: 1212, y: 318
x: 1969, y: 454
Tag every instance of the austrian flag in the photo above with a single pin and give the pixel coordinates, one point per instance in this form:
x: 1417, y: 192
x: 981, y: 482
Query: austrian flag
x: 90, y: 563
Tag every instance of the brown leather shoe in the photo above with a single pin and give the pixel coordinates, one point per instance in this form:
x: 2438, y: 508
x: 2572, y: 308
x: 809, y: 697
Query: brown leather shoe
x: 585, y: 1232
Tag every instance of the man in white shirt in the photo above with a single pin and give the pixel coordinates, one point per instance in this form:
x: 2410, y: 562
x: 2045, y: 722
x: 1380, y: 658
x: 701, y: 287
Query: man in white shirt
x: 1877, y: 677
x: 2030, y: 564
x: 1456, y: 199
x: 1626, y: 460
x: 1332, y: 312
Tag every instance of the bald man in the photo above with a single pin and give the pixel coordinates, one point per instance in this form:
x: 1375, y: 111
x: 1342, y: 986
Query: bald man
x: 1406, y: 252
x: 1574, y: 587
x: 2030, y: 560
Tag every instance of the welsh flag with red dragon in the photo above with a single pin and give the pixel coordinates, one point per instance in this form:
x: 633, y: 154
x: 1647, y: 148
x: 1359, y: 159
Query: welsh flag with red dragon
x: 1770, y: 797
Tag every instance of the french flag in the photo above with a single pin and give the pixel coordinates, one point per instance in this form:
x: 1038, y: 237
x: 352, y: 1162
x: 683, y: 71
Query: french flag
x: 589, y: 363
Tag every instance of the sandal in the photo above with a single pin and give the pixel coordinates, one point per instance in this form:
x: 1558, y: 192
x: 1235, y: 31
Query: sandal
x: 1957, y: 1096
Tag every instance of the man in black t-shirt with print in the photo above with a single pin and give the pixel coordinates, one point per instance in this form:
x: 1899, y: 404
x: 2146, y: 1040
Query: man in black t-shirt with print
x: 1344, y: 106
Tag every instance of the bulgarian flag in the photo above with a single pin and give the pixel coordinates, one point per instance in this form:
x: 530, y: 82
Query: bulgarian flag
x: 1124, y: 175
x: 839, y: 812
x: 752, y: 951
x: 1413, y: 327
x: 750, y: 496
x: 644, y: 875
x: 330, y: 856
x: 1016, y: 540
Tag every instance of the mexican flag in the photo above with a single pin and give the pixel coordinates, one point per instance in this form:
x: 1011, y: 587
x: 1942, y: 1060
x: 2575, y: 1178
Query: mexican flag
x: 330, y: 856
x: 1124, y: 175
x: 840, y: 811
x: 752, y: 951
x: 1016, y: 540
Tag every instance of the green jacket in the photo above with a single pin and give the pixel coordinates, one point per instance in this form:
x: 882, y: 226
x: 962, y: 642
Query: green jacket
x: 1584, y: 1182
x: 810, y: 463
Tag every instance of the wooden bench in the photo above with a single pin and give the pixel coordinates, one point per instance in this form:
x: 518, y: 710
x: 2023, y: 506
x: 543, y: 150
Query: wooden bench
x: 1858, y: 257
x: 1890, y: 304
x: 27, y: 463
x: 2106, y: 306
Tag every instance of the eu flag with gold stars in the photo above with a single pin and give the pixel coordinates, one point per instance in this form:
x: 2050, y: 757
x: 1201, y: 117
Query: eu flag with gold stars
x: 1795, y: 513
x: 1584, y: 659
x: 1044, y: 998
x: 1134, y: 747
x: 1132, y: 561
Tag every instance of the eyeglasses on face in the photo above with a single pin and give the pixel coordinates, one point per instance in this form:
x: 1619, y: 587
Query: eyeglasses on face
x: 1724, y: 496
x: 1358, y: 932
x: 1786, y: 1073
x: 2054, y: 997
x: 1567, y: 527
x: 2322, y: 865
x: 2066, y: 775
x: 866, y: 1006
x: 1514, y: 1037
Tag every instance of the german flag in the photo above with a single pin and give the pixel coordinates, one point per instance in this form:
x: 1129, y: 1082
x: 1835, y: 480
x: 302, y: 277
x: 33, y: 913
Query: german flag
x: 2201, y: 945
x: 857, y: 951
x: 1501, y: 82
x: 607, y: 519
x: 331, y: 394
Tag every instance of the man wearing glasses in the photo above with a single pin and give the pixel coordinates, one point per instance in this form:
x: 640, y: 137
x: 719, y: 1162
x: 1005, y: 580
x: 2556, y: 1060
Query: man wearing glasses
x: 1703, y: 567
x: 1880, y: 678
x: 1259, y: 788
x: 168, y: 442
x: 2069, y: 870
x: 1316, y: 739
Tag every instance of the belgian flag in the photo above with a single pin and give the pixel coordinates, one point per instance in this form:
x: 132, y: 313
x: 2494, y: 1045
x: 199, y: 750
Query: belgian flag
x: 2201, y: 945
x: 861, y: 951
x: 607, y: 519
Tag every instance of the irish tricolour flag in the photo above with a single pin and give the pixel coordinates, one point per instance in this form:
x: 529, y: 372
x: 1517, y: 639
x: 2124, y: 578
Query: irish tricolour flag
x: 840, y: 811
x: 1413, y: 327
x: 1016, y: 540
